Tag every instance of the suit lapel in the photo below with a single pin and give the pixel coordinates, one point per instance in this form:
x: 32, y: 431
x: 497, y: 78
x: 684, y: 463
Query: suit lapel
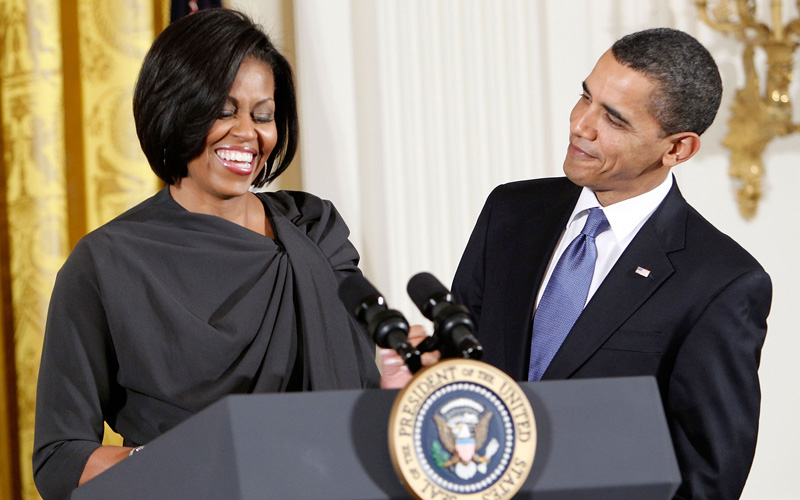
x: 624, y: 290
x: 528, y: 248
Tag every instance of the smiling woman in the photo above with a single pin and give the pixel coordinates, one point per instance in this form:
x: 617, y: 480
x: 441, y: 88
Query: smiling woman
x: 236, y: 152
x: 207, y: 288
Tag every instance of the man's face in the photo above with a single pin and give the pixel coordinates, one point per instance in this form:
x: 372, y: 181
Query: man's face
x: 616, y: 144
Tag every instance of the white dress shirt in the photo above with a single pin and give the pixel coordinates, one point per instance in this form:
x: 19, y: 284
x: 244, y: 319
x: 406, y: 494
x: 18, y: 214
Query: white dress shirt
x: 625, y: 219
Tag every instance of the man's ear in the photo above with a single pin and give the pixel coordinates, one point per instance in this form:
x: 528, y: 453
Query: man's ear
x: 684, y: 146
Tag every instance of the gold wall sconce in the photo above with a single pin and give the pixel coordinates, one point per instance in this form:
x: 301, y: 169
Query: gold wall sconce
x: 756, y: 117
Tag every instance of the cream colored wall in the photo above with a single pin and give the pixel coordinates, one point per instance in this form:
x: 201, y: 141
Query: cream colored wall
x: 412, y: 110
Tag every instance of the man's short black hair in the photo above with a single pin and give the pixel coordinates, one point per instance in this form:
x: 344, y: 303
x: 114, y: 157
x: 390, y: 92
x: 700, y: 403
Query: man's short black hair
x: 690, y: 88
x: 184, y: 83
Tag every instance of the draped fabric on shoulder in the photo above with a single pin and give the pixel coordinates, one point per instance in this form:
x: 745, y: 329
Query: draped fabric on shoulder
x: 334, y: 343
x: 163, y: 311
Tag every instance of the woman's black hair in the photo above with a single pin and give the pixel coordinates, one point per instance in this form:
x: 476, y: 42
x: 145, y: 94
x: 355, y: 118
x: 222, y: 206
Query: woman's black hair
x: 184, y: 83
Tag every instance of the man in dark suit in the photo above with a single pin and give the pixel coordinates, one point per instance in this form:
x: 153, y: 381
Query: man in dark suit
x: 670, y: 295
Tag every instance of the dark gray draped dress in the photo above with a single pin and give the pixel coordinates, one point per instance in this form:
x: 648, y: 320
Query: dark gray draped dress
x: 162, y: 311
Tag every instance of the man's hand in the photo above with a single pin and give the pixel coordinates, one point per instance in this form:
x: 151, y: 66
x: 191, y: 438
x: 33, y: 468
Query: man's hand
x: 394, y: 372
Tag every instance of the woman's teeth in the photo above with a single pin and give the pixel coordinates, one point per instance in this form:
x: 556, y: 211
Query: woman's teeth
x: 238, y: 156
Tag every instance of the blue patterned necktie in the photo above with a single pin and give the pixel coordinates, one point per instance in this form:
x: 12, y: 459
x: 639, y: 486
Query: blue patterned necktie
x: 565, y: 295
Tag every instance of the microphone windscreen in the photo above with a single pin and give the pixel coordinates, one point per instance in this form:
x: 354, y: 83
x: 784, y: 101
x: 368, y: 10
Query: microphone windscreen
x: 422, y: 286
x: 355, y: 290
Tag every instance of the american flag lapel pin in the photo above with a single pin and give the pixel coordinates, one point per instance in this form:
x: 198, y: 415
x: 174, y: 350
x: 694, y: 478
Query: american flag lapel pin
x: 643, y: 272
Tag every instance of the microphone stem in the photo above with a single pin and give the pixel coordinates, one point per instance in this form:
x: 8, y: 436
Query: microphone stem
x: 398, y: 341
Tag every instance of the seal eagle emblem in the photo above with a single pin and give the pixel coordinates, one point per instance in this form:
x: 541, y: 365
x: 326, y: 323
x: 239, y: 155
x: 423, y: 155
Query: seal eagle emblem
x: 463, y: 428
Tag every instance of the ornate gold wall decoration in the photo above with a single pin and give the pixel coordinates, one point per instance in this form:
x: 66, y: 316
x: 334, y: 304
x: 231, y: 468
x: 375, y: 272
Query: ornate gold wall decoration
x: 756, y: 117
x: 114, y: 37
x: 70, y: 161
x: 30, y: 96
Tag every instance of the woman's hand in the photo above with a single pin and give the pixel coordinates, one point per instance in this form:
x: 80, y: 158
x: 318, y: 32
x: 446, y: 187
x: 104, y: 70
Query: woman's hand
x: 394, y: 372
x: 103, y: 458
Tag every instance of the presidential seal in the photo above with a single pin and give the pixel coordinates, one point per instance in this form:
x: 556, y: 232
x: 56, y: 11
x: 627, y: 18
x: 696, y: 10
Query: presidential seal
x: 462, y: 429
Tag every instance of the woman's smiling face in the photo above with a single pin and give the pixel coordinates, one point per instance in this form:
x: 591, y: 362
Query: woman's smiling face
x: 240, y: 140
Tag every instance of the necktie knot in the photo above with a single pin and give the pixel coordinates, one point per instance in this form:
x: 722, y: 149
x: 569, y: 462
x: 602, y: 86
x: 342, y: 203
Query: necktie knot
x: 596, y: 223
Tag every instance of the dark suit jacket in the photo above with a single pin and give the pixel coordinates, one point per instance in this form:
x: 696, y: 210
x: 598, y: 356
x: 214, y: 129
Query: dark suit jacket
x: 696, y: 323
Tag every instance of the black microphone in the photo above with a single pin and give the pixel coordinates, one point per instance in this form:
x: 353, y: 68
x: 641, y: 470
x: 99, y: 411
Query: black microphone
x: 453, y: 324
x: 387, y: 327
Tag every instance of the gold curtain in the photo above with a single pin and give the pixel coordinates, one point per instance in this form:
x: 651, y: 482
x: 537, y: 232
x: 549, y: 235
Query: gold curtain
x: 71, y: 161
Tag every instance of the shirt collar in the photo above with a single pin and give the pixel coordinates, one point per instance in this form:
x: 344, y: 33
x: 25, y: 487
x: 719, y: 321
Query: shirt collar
x: 625, y: 217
